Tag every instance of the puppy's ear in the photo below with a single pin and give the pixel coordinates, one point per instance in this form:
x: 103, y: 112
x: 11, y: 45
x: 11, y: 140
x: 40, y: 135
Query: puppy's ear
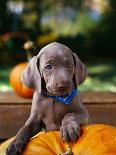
x: 80, y: 72
x: 31, y: 76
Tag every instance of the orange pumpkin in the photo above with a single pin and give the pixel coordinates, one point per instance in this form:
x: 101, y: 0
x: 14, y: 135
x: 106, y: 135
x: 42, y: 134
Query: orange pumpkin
x: 15, y: 81
x: 96, y: 139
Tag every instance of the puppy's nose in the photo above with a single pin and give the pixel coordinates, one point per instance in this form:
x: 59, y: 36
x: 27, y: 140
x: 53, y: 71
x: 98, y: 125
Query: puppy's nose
x: 62, y: 86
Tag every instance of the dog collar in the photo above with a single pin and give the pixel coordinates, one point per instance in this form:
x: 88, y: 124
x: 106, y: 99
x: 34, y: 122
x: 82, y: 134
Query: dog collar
x: 65, y: 99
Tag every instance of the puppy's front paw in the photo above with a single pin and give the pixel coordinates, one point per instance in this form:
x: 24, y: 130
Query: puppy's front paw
x: 14, y: 149
x: 70, y: 131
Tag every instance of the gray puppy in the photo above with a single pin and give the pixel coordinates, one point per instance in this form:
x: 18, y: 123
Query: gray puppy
x: 55, y: 74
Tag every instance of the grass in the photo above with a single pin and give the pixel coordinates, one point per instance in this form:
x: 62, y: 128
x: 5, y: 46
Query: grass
x: 4, y: 79
x: 101, y: 77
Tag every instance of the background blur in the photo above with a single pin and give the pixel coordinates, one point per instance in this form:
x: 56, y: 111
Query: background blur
x: 87, y: 27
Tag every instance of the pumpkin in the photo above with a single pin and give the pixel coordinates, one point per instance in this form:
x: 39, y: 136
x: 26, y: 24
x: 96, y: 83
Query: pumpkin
x: 15, y: 81
x: 98, y: 139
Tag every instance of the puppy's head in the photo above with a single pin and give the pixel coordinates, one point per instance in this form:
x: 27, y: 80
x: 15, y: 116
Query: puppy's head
x: 56, y: 69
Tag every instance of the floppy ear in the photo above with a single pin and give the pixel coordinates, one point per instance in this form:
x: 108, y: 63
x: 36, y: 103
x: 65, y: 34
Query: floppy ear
x: 31, y: 76
x: 80, y: 72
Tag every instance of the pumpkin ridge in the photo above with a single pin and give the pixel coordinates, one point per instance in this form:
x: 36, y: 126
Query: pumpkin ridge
x: 44, y: 140
x: 40, y: 142
x: 56, y: 142
x: 63, y: 145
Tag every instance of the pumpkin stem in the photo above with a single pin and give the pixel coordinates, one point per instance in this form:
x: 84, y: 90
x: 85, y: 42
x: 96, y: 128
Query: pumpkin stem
x: 67, y: 153
x: 29, y: 48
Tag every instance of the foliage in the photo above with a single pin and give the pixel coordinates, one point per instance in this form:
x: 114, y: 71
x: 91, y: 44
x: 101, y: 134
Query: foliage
x: 103, y: 36
x: 69, y: 22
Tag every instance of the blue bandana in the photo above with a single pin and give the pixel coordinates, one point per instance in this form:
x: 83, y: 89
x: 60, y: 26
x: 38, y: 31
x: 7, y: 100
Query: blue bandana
x: 65, y: 99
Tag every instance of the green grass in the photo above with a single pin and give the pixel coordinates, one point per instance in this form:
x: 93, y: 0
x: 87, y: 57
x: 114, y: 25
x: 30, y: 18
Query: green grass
x: 4, y: 79
x: 101, y: 77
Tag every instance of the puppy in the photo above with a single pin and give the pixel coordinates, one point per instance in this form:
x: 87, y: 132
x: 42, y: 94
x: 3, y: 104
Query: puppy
x: 55, y: 74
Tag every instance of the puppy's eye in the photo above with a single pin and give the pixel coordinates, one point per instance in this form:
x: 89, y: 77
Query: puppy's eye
x: 48, y: 66
x: 69, y: 65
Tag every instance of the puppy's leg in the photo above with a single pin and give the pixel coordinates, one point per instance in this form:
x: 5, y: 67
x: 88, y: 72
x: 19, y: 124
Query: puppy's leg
x: 31, y: 127
x: 70, y: 128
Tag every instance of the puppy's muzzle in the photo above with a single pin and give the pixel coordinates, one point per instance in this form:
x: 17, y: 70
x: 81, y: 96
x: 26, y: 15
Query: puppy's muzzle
x: 63, y: 86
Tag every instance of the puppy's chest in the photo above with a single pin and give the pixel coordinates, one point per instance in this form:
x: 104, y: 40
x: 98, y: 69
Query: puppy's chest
x: 54, y: 115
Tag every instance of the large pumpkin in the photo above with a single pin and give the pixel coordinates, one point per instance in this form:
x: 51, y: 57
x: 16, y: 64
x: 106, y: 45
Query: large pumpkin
x: 95, y: 140
x: 15, y: 81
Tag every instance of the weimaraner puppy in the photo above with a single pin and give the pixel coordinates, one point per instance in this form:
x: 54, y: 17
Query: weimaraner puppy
x: 55, y: 74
